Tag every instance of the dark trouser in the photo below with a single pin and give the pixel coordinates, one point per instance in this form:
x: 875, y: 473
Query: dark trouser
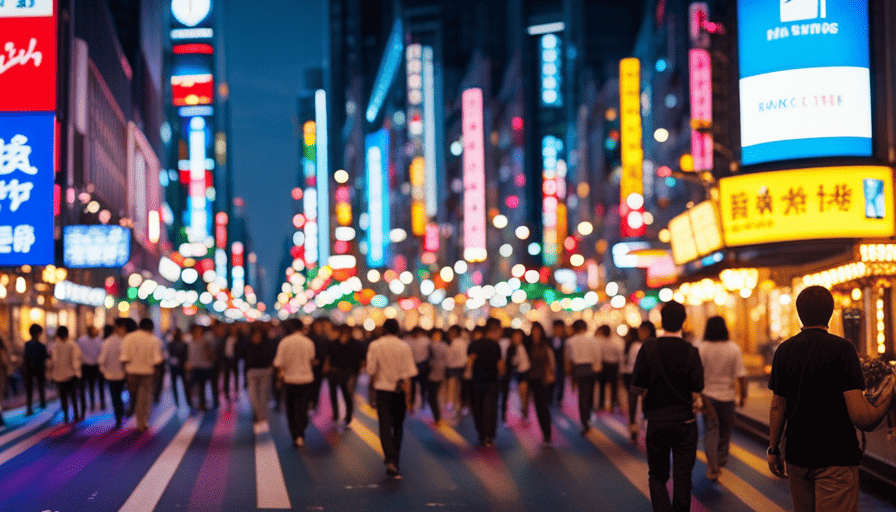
x: 485, y: 408
x: 41, y: 378
x: 342, y: 380
x: 230, y: 370
x: 717, y: 436
x: 315, y: 387
x: 215, y: 378
x: 178, y: 373
x: 158, y: 382
x: 432, y: 393
x: 609, y: 376
x: 541, y: 396
x: 116, y: 387
x: 67, y: 392
x: 390, y: 410
x: 420, y: 382
x: 585, y: 384
x: 297, y: 399
x: 199, y: 377
x: 505, y: 391
x: 90, y: 376
x: 829, y: 488
x: 557, y: 391
x: 679, y: 438
x: 466, y: 392
x: 632, y: 398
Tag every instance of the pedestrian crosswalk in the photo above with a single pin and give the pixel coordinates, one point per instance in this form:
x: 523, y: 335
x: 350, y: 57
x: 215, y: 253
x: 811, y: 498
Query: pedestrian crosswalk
x: 222, y: 461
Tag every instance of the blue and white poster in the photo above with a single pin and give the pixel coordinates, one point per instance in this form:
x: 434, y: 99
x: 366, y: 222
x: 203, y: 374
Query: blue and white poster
x: 96, y: 246
x: 26, y: 189
x: 805, y: 87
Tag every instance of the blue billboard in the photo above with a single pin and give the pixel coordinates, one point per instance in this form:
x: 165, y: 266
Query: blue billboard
x: 805, y: 87
x: 96, y: 246
x: 26, y: 189
x: 377, y: 164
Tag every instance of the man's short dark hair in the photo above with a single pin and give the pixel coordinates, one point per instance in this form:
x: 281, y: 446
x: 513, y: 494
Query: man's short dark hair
x: 579, y: 326
x: 121, y: 322
x: 604, y: 331
x: 492, y: 324
x: 62, y: 332
x: 673, y: 315
x: 130, y: 324
x: 35, y: 331
x: 147, y: 325
x: 815, y: 305
x: 391, y: 327
x: 559, y: 323
x: 716, y: 330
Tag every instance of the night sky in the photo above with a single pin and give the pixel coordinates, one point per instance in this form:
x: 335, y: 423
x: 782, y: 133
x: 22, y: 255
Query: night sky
x: 269, y: 45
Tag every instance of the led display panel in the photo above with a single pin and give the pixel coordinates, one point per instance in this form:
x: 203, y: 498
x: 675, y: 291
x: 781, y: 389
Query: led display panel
x: 96, y: 246
x: 804, y: 79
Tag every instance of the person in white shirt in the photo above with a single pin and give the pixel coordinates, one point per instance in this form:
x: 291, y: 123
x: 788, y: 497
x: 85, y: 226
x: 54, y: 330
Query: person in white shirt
x: 583, y: 361
x: 612, y: 349
x: 723, y: 368
x: 420, y: 348
x: 141, y: 351
x: 65, y: 360
x: 294, y: 361
x: 111, y: 367
x: 390, y: 364
x: 457, y: 364
x: 91, y: 344
x: 646, y: 331
x: 438, y: 365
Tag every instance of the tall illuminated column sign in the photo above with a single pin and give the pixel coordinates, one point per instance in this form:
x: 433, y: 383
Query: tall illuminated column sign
x: 550, y: 147
x: 475, y: 249
x: 553, y: 213
x: 309, y: 198
x: 700, y: 66
x: 631, y: 182
x: 323, y: 175
x: 417, y: 170
x: 377, y: 163
x: 27, y: 132
x: 197, y: 193
x: 239, y: 270
x: 429, y: 137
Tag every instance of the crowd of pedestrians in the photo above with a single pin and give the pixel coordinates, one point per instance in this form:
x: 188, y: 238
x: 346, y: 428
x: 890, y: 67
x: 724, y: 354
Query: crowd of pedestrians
x: 458, y: 372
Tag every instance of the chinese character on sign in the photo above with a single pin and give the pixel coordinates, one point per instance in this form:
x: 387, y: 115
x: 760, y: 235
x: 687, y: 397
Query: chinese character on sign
x: 17, y: 193
x: 5, y: 239
x: 23, y: 238
x: 841, y: 197
x: 739, y: 206
x: 15, y: 156
x: 795, y: 199
x: 20, y: 58
x: 764, y: 201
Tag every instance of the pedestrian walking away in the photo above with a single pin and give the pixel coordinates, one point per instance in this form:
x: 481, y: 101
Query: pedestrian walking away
x: 259, y: 354
x: 612, y: 350
x: 141, y: 351
x: 200, y: 364
x: 90, y: 344
x: 34, y: 368
x: 390, y: 364
x: 295, y: 360
x: 487, y: 367
x: 558, y: 342
x: 646, y: 331
x: 583, y: 362
x: 344, y: 362
x: 111, y: 366
x: 818, y: 389
x: 541, y: 376
x: 178, y: 352
x: 65, y: 370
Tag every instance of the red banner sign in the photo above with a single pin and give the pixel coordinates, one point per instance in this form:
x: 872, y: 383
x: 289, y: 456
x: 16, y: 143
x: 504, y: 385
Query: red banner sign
x: 27, y: 62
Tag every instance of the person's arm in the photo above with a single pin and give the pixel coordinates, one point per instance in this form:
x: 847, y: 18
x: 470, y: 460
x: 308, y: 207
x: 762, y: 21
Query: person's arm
x: 742, y: 384
x: 640, y: 374
x: 775, y: 431
x: 864, y: 415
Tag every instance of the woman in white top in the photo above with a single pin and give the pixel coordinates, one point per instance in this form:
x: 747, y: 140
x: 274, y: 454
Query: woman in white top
x: 723, y: 370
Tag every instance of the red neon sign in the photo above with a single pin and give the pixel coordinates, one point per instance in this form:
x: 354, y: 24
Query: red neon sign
x: 28, y: 62
x: 189, y: 90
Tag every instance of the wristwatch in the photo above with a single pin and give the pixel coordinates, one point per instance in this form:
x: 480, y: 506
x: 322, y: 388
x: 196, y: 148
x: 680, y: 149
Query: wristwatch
x: 774, y: 451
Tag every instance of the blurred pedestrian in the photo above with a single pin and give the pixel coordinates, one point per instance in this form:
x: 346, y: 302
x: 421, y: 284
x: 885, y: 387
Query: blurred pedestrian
x: 158, y: 376
x: 178, y: 352
x: 819, y: 395
x: 646, y: 331
x: 583, y: 362
x: 141, y: 351
x: 34, y: 367
x: 111, y: 367
x: 420, y: 347
x: 558, y: 343
x: 487, y: 365
x: 5, y: 370
x: 65, y: 370
x: 229, y: 364
x: 612, y: 350
x: 669, y: 373
x: 390, y: 364
x: 321, y: 337
x: 438, y: 366
x: 259, y: 354
x: 200, y: 363
x: 90, y: 344
x: 457, y: 363
x: 344, y: 362
x: 216, y: 339
x: 541, y: 376
x: 723, y: 373
x: 518, y: 364
x: 294, y: 361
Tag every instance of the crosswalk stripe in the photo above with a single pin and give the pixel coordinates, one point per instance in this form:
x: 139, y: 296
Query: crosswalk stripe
x: 367, y: 435
x: 758, y: 464
x: 35, y: 423
x: 150, y: 489
x: 270, y: 485
x: 18, y: 448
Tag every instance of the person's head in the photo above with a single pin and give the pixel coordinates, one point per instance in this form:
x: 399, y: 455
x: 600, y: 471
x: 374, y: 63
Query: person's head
x: 35, y: 331
x: 603, y: 331
x: 318, y: 327
x: 147, y: 325
x: 493, y: 328
x: 256, y: 336
x: 517, y: 336
x: 537, y: 333
x: 559, y: 328
x: 437, y: 335
x: 673, y: 316
x: 120, y: 326
x: 579, y: 326
x: 62, y: 333
x: 391, y: 327
x: 108, y: 329
x: 196, y: 331
x: 646, y: 330
x: 716, y: 330
x: 130, y: 324
x: 814, y: 306
x: 92, y: 331
x: 345, y: 334
x: 477, y: 333
x: 454, y: 332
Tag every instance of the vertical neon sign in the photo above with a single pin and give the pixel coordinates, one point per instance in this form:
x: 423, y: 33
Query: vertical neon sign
x: 631, y: 183
x: 701, y: 109
x: 323, y: 176
x: 377, y: 163
x: 198, y: 201
x: 429, y: 132
x: 309, y: 198
x: 417, y: 170
x: 474, y: 176
x: 550, y: 148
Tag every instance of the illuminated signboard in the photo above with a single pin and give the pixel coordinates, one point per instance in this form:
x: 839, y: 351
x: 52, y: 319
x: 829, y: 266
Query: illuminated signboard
x: 832, y: 202
x: 27, y: 56
x: 474, y: 176
x: 198, y: 201
x: 323, y: 175
x: 631, y: 183
x: 191, y: 12
x: 239, y: 272
x: 804, y: 79
x: 79, y: 294
x: 377, y: 163
x: 701, y: 109
x: 551, y: 66
x: 551, y: 148
x: 26, y: 189
x: 429, y: 132
x: 96, y: 246
x: 309, y: 198
x: 695, y: 233
x: 416, y: 128
x: 192, y: 82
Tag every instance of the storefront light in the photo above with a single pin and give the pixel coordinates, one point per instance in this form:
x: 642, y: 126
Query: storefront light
x: 20, y: 285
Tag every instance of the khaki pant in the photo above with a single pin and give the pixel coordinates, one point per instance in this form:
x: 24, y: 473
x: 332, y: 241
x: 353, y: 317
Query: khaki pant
x: 141, y: 387
x: 834, y: 488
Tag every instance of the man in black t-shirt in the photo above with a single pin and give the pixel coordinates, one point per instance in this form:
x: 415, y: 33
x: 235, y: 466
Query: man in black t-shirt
x: 35, y: 367
x: 484, y: 355
x: 669, y: 371
x: 818, y: 390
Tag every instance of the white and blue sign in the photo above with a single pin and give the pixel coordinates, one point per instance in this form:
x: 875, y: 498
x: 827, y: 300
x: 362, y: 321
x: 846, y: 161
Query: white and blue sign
x: 26, y: 189
x: 805, y: 87
x: 377, y: 162
x: 96, y: 246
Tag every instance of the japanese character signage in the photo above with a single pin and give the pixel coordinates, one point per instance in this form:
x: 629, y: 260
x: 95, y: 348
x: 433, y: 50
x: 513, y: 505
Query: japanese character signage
x: 27, y: 56
x: 631, y: 150
x: 474, y: 176
x: 26, y: 189
x: 701, y: 109
x: 805, y: 204
x: 96, y: 246
x: 804, y: 79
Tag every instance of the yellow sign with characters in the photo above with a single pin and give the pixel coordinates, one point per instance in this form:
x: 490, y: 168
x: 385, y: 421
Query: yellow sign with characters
x: 806, y: 204
x: 695, y: 233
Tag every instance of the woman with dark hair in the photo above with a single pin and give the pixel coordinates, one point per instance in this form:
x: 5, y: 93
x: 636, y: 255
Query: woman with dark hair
x: 541, y: 377
x: 633, y: 341
x: 723, y: 369
x: 518, y: 357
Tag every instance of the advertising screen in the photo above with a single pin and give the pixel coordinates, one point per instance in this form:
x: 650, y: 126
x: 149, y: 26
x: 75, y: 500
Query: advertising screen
x: 377, y: 147
x: 804, y: 79
x: 96, y: 246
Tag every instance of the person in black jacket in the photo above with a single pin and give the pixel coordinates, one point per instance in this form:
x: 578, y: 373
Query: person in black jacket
x: 259, y: 355
x: 35, y: 367
x: 343, y: 364
x: 177, y: 362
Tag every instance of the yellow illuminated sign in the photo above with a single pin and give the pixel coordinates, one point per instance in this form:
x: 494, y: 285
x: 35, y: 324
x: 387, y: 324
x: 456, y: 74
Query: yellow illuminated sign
x: 805, y: 204
x: 695, y: 233
x: 631, y: 152
x: 418, y: 209
x: 309, y: 131
x: 684, y: 248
